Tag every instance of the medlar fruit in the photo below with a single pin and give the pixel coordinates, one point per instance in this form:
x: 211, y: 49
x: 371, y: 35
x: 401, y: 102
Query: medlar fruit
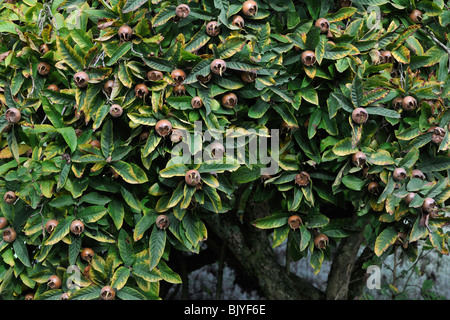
x: 96, y: 144
x: 196, y: 102
x: 176, y: 135
x: 229, y: 100
x: 81, y: 79
x: 29, y: 296
x: 162, y: 222
x: 182, y: 11
x: 141, y: 90
x: 416, y: 173
x: 163, y: 127
x: 218, y: 66
x: 360, y: 115
x: 9, y: 235
x: 77, y: 227
x: 321, y: 241
x: 155, y: 75
x: 51, y: 225
x: 294, y: 222
x: 438, y: 134
x: 107, y: 293
x: 87, y: 254
x: 416, y: 16
x: 249, y: 8
x: 204, y: 79
x: 429, y: 205
x: 373, y: 187
x: 178, y: 76
x: 192, y: 178
x: 115, y: 111
x: 397, y: 103
x: 323, y: 24
x: 409, y: 198
x: 308, y: 58
x: 54, y: 282
x: 399, y: 174
x: 43, y: 49
x: 345, y: 3
x: 43, y: 68
x: 359, y: 159
x: 53, y: 87
x: 217, y: 150
x: 13, y: 115
x: 238, y: 21
x: 212, y: 28
x: 10, y: 197
x: 3, y: 222
x: 409, y: 103
x: 108, y: 87
x: 248, y: 76
x: 179, y: 90
x: 302, y: 179
x: 386, y: 56
x: 64, y: 296
x: 125, y: 33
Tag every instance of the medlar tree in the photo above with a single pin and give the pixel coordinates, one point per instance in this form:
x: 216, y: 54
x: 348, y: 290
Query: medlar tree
x: 98, y: 99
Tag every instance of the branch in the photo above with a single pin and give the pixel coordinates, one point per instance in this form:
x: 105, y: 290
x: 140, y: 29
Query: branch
x: 443, y: 46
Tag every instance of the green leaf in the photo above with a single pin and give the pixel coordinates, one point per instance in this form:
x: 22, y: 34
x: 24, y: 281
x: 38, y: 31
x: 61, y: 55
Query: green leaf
x: 91, y: 292
x: 131, y: 173
x: 128, y: 293
x: 176, y: 170
x: 70, y: 137
x: 353, y: 182
x: 92, y: 213
x: 119, y: 53
x: 305, y: 237
x: 61, y: 230
x: 126, y: 248
x: 273, y: 221
x: 384, y: 240
x: 120, y: 278
x: 159, y: 64
x: 357, y: 93
x: 132, y: 5
x: 12, y: 143
x: 117, y: 212
x: 107, y: 142
x: 21, y: 251
x: 143, y: 224
x: 344, y: 147
x: 156, y: 245
x: 69, y: 55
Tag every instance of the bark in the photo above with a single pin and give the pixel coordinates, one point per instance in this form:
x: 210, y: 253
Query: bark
x: 342, y: 267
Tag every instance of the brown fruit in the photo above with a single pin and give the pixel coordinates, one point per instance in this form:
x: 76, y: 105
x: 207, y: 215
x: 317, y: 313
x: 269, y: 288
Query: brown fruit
x: 416, y: 173
x: 3, y: 222
x: 176, y: 135
x: 43, y: 49
x: 155, y: 75
x: 178, y: 76
x: 144, y: 135
x: 141, y: 90
x: 204, y: 79
x: 321, y: 241
x: 238, y: 21
x: 182, y: 11
x: 294, y: 222
x: 77, y: 227
x: 192, y: 178
x: 345, y: 3
x: 229, y: 100
x: 359, y: 159
x: 51, y: 225
x: 409, y: 198
x: 64, y: 296
x: 217, y: 150
x: 308, y: 58
x: 162, y: 222
x: 416, y: 16
x: 397, y: 103
x: 53, y: 87
x: 87, y: 254
x: 212, y: 28
x: 125, y: 33
x: 218, y: 66
x: 429, y: 205
x: 9, y: 235
x: 81, y: 79
x: 43, y: 68
x: 302, y: 179
x: 249, y: 8
x: 409, y: 103
x: 438, y: 134
x: 13, y: 115
x: 360, y: 115
x: 96, y: 144
x: 179, y: 90
x: 115, y: 111
x: 54, y: 282
x: 196, y: 102
x: 373, y: 187
x: 386, y: 57
x: 107, y: 293
x: 248, y: 76
x: 399, y: 174
x: 163, y: 127
x: 78, y: 132
x: 10, y: 197
x: 29, y: 296
x: 108, y: 87
x: 323, y: 24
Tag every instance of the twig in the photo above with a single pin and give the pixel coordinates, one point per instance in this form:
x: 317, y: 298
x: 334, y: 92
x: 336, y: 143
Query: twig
x: 443, y: 46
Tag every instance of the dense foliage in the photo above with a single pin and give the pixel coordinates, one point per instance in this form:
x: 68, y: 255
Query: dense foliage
x: 92, y: 193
